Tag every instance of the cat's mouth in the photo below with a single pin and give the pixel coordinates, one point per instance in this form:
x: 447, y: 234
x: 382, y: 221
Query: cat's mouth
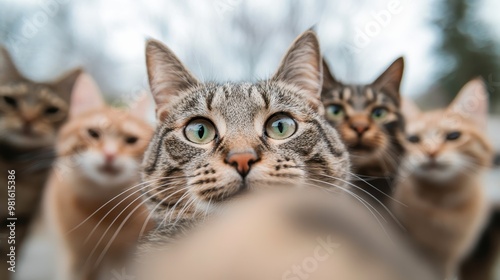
x: 109, y: 170
x: 360, y: 147
x: 433, y: 165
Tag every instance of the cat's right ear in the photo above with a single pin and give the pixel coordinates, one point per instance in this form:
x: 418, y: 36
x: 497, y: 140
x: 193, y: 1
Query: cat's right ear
x: 168, y: 77
x: 472, y: 102
x: 302, y: 65
x: 8, y: 70
x: 86, y: 96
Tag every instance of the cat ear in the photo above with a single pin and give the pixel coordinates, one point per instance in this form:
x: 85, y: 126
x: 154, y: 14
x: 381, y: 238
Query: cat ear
x: 329, y: 81
x: 302, y: 65
x: 409, y: 108
x: 472, y: 102
x: 168, y: 77
x: 390, y: 80
x: 64, y: 85
x: 8, y: 70
x: 86, y: 96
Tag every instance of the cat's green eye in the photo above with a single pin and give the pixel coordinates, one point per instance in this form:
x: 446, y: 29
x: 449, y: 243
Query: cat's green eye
x: 280, y: 127
x: 335, y: 112
x: 379, y: 113
x: 200, y: 131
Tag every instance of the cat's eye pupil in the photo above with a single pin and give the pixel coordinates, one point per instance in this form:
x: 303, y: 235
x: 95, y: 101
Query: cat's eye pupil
x: 280, y: 127
x: 131, y: 140
x: 93, y: 133
x: 200, y: 131
x: 414, y: 138
x: 335, y: 112
x: 11, y: 101
x: 379, y: 113
x: 453, y: 135
x: 51, y: 110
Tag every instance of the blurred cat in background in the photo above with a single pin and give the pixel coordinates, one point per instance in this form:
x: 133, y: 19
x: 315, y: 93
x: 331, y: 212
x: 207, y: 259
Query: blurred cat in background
x: 31, y: 114
x: 92, y: 199
x: 370, y: 122
x: 440, y: 180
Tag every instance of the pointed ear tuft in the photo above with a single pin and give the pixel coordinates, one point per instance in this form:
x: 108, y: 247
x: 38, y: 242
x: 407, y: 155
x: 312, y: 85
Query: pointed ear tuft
x: 86, y: 96
x: 302, y: 65
x: 8, y: 70
x: 329, y: 81
x: 168, y: 77
x: 472, y: 102
x: 64, y: 85
x: 409, y: 108
x: 390, y: 80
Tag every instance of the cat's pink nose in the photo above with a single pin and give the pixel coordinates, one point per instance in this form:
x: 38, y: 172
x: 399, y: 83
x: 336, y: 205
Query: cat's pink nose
x: 242, y: 161
x: 360, y: 127
x: 109, y: 157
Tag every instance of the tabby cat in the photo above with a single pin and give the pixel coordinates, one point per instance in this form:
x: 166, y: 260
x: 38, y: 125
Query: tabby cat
x: 440, y: 179
x: 370, y: 122
x: 216, y: 141
x: 31, y: 113
x: 92, y: 200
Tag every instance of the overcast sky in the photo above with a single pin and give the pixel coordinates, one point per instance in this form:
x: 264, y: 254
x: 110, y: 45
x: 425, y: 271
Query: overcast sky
x: 359, y: 37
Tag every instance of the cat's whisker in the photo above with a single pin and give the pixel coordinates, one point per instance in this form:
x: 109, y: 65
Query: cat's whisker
x: 354, y: 194
x: 153, y: 211
x: 361, y: 200
x: 114, y: 207
x: 116, y: 196
x: 372, y: 196
x: 104, y: 251
x: 186, y: 194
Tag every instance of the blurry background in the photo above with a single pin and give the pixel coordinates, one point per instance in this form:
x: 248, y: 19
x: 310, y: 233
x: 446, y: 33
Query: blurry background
x: 445, y: 42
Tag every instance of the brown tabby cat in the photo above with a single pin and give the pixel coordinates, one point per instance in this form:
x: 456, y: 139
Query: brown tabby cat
x: 370, y: 122
x: 285, y: 234
x: 217, y: 141
x: 440, y: 181
x: 31, y: 113
x: 91, y: 200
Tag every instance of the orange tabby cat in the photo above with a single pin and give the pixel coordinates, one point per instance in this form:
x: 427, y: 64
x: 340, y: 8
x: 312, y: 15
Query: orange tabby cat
x: 440, y: 181
x: 31, y: 114
x: 100, y: 150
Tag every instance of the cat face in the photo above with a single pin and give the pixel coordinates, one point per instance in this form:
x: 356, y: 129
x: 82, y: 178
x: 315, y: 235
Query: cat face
x: 106, y: 144
x: 219, y: 140
x: 31, y: 113
x: 367, y: 116
x: 443, y: 144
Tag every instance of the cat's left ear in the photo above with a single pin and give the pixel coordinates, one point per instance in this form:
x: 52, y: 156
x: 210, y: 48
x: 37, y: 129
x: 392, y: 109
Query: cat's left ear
x: 64, y: 85
x: 472, y: 102
x: 390, y: 80
x: 302, y: 65
x: 8, y: 70
x: 86, y: 96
